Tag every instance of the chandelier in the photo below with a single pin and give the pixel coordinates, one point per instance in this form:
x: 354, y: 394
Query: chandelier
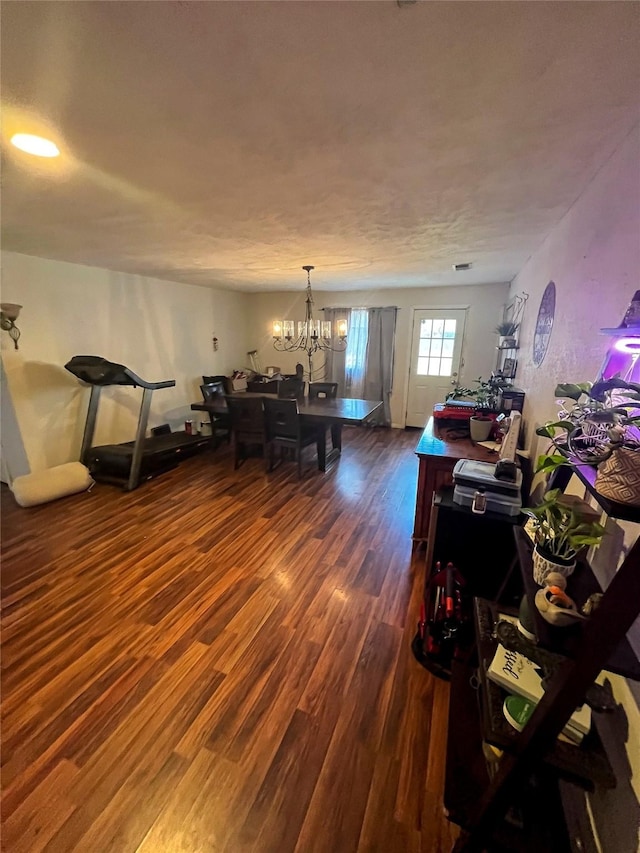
x: 313, y: 335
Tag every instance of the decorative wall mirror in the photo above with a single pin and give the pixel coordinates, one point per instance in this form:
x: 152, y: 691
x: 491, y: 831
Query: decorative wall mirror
x: 544, y: 324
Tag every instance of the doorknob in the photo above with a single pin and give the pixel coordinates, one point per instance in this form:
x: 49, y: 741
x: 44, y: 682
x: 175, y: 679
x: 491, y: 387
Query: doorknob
x: 453, y: 381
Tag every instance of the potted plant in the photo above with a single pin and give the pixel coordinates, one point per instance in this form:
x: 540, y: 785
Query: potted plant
x: 485, y: 396
x: 599, y: 425
x: 560, y: 530
x: 507, y: 330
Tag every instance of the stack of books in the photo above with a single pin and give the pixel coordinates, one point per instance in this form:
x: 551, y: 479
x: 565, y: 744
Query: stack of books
x: 522, y: 677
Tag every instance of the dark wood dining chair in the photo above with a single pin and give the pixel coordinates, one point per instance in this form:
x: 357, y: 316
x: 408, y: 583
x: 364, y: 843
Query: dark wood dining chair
x: 323, y: 389
x: 213, y: 392
x: 247, y: 426
x: 289, y: 389
x: 226, y: 381
x: 285, y: 431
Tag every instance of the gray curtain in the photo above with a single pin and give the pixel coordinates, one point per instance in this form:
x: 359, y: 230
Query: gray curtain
x: 334, y: 363
x: 379, y: 359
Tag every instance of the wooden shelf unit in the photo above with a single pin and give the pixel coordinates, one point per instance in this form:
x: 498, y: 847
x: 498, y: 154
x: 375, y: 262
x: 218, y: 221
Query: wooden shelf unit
x: 598, y: 645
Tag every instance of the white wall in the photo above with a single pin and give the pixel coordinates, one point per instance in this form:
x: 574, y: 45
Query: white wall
x: 593, y: 256
x: 485, y: 311
x: 160, y: 329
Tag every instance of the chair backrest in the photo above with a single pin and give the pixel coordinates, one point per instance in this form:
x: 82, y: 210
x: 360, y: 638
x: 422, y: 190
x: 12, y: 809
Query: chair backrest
x: 247, y: 415
x: 323, y: 389
x: 213, y: 392
x: 282, y: 418
x: 226, y: 382
x: 290, y: 388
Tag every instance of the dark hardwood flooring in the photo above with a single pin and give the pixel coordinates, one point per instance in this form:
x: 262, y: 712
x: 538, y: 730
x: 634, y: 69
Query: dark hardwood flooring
x: 220, y: 661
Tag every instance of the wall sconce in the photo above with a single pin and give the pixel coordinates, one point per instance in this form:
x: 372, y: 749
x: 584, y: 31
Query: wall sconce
x: 8, y: 315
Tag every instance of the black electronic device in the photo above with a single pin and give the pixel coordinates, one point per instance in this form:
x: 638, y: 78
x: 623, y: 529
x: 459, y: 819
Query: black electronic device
x: 506, y: 469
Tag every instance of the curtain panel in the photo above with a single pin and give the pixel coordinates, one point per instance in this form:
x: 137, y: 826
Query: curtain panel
x: 334, y: 362
x: 378, y: 374
x: 377, y: 383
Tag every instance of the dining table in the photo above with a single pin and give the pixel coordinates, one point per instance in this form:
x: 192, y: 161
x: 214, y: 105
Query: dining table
x: 324, y: 412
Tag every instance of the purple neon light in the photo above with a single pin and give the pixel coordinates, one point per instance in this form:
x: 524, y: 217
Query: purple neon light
x: 630, y: 345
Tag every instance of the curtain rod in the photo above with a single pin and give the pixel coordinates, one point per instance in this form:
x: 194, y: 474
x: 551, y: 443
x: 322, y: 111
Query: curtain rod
x: 363, y: 307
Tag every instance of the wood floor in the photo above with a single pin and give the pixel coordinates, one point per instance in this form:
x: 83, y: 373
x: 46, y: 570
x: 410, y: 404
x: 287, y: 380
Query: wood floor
x: 220, y: 661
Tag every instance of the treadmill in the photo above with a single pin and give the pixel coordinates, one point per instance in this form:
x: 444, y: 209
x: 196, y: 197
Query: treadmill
x: 130, y: 463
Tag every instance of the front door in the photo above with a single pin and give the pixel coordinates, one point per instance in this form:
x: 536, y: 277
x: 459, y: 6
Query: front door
x: 436, y: 346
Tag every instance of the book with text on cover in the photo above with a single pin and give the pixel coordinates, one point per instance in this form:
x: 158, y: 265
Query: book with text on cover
x: 517, y: 674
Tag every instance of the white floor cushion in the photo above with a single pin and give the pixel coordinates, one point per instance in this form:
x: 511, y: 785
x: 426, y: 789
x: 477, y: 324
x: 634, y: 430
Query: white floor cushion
x: 50, y: 484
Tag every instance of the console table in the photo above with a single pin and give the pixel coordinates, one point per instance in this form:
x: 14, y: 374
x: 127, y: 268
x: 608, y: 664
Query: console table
x: 437, y: 456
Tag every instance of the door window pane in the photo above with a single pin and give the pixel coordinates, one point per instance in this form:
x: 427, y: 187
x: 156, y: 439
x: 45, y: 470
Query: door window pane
x: 436, y: 347
x: 447, y: 348
x: 435, y: 350
x: 425, y: 328
x: 424, y: 347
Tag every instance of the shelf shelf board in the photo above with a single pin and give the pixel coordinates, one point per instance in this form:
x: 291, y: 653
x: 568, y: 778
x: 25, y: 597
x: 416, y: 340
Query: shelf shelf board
x: 625, y: 512
x: 567, y: 641
x: 622, y: 332
x: 505, y: 348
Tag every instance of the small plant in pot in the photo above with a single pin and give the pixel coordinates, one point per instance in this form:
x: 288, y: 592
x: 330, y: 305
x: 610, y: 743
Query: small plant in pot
x: 560, y: 531
x: 485, y: 396
x: 599, y: 425
x: 507, y: 330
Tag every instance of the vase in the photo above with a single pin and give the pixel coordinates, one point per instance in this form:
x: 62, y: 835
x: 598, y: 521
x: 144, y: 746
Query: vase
x: 618, y: 477
x: 480, y: 428
x: 545, y: 563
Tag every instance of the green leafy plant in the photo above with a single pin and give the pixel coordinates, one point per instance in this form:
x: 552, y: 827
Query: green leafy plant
x: 485, y: 394
x: 560, y: 530
x: 594, y: 421
x: 507, y: 328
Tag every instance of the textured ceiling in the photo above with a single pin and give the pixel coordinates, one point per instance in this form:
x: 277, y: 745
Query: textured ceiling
x: 228, y: 143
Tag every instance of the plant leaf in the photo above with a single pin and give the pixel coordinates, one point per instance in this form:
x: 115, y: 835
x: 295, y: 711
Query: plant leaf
x: 548, y: 463
x: 573, y: 392
x: 600, y: 389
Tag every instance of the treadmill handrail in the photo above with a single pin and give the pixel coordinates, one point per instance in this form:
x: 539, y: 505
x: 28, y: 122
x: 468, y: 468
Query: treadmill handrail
x: 92, y: 368
x: 167, y: 383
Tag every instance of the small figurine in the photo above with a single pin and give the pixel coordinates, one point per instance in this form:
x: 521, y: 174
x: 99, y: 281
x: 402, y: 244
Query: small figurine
x: 555, y: 606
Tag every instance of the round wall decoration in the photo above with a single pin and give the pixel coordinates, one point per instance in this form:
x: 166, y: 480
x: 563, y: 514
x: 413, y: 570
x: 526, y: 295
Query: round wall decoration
x: 544, y: 324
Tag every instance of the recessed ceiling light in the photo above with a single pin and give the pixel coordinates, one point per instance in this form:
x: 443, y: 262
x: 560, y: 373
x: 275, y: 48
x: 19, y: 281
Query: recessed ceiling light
x: 35, y: 145
x: 459, y: 267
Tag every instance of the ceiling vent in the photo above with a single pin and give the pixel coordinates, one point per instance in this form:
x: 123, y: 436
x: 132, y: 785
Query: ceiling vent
x: 460, y: 267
